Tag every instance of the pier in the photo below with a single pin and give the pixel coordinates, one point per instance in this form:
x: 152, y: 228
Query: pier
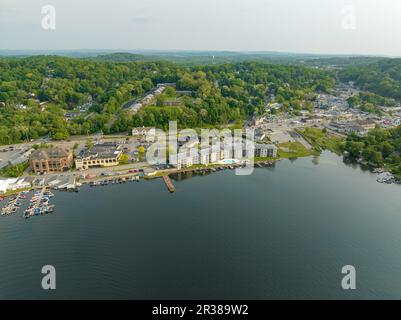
x: 169, y: 184
x: 39, y: 204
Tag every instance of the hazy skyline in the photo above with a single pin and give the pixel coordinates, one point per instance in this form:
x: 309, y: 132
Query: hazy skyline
x: 369, y: 27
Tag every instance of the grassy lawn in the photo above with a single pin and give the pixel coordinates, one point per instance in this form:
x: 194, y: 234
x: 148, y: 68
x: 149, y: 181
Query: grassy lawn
x: 321, y: 140
x: 293, y: 150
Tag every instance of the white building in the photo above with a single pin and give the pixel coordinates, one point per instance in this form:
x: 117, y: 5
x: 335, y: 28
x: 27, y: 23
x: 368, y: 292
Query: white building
x: 204, y: 156
x: 13, y: 185
x: 187, y: 158
x: 214, y: 154
x: 99, y: 156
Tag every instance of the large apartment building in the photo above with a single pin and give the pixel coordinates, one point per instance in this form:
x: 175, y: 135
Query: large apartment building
x: 188, y: 157
x: 265, y: 150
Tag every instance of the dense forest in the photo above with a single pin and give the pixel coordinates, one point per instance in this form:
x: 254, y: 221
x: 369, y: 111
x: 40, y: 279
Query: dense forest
x: 370, y: 102
x: 382, y: 77
x: 380, y: 147
x: 37, y: 92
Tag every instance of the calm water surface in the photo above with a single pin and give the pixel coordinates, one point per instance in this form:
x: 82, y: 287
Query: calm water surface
x: 283, y: 232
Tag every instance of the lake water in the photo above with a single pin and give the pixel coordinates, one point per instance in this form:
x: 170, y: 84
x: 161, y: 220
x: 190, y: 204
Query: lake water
x: 283, y: 232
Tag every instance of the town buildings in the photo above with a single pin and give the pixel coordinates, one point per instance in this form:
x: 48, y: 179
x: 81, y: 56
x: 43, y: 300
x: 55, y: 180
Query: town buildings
x: 100, y: 155
x: 259, y: 135
x: 367, y: 124
x: 149, y: 98
x: 359, y: 127
x: 50, y: 160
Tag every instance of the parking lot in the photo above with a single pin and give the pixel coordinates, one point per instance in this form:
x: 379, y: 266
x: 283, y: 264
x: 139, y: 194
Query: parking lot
x: 10, y: 154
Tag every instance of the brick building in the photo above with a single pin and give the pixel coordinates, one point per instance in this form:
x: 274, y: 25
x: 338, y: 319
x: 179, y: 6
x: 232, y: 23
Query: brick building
x: 51, y: 160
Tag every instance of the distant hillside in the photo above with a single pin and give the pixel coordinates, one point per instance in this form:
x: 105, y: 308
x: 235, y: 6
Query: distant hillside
x: 196, y: 57
x: 382, y: 77
x: 221, y: 57
x: 201, y: 57
x: 342, y: 61
x: 119, y: 57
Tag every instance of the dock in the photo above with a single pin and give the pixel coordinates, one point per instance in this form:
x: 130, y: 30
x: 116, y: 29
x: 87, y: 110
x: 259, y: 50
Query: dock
x: 13, y: 204
x: 169, y: 184
x: 39, y: 204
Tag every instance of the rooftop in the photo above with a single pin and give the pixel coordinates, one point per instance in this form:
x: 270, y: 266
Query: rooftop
x: 50, y: 153
x: 101, y: 151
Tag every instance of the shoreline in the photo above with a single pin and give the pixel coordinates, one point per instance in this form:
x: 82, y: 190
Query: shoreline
x: 260, y: 163
x: 210, y: 168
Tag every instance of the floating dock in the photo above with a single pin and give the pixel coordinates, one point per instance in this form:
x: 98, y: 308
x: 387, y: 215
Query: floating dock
x: 13, y: 204
x: 39, y: 204
x: 169, y: 184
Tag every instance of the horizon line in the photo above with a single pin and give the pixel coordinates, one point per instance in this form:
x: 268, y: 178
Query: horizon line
x: 278, y: 52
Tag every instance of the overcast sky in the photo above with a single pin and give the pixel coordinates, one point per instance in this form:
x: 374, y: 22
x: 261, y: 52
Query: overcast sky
x: 306, y: 26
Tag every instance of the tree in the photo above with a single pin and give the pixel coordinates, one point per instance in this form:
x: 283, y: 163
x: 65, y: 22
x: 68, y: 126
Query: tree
x: 386, y: 148
x: 14, y: 171
x: 124, y: 159
x: 160, y: 100
x: 354, y: 148
x: 170, y: 92
x: 61, y: 134
x: 89, y: 144
x: 147, y: 84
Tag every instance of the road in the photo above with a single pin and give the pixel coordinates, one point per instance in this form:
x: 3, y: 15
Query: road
x: 96, y: 171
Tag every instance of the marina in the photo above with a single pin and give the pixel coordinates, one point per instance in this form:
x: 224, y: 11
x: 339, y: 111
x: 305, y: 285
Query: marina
x: 13, y: 204
x: 40, y: 203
